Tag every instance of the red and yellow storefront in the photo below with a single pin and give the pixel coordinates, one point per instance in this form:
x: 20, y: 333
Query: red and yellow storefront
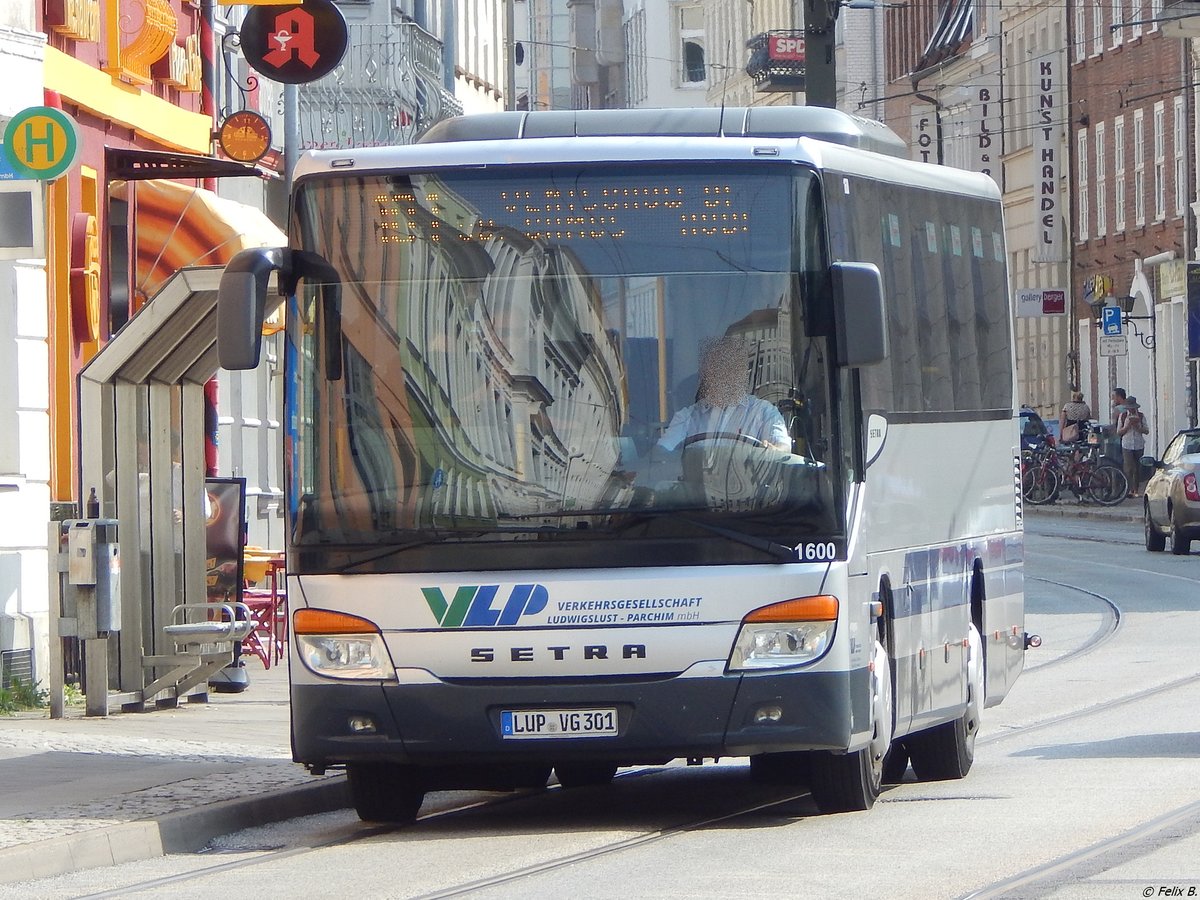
x: 129, y: 73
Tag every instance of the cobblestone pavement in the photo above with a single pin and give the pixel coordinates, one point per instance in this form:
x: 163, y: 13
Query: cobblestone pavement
x: 244, y: 775
x: 79, y: 776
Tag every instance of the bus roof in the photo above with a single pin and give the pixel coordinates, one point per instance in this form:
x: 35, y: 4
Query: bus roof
x: 815, y: 122
x: 826, y: 139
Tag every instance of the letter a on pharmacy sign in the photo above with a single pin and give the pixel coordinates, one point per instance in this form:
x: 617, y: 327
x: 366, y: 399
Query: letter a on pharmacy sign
x: 41, y: 142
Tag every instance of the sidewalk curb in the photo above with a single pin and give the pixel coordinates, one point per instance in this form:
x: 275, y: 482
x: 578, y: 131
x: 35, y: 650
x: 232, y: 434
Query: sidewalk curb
x: 1082, y: 512
x: 184, y: 831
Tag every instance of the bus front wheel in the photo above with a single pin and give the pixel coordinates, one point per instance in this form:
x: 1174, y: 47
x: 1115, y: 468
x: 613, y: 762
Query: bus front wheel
x: 385, y: 792
x: 848, y: 782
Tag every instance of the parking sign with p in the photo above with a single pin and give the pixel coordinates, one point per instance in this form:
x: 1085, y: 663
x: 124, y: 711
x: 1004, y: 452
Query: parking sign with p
x: 1110, y: 320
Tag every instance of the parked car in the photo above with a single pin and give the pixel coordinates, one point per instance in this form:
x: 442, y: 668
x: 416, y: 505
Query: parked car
x: 1171, y: 506
x: 1033, y: 429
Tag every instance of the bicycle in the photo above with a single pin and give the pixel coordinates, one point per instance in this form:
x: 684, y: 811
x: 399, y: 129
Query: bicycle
x: 1041, y: 478
x: 1089, y: 477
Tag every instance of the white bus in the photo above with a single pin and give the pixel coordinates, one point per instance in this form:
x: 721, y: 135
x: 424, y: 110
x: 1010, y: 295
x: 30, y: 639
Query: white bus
x: 618, y: 437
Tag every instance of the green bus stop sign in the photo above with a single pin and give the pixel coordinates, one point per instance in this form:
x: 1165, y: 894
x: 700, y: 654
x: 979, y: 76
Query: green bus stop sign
x: 41, y: 142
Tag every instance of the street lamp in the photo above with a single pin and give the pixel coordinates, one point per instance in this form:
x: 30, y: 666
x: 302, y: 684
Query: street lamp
x: 1126, y: 305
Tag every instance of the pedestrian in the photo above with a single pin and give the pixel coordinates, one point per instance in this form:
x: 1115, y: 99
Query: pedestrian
x: 1133, y: 429
x: 1117, y: 400
x: 1073, y: 419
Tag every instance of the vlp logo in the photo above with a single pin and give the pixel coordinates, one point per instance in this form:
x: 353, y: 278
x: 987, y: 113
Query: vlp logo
x: 472, y: 607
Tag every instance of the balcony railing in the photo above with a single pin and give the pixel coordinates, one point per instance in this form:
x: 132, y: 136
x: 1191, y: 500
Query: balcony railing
x: 388, y: 90
x: 777, y: 60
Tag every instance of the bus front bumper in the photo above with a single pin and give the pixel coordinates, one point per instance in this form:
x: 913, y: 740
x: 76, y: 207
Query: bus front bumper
x: 459, y: 724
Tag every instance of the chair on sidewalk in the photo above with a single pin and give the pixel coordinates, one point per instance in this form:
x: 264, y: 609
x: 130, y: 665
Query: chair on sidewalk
x: 267, y: 601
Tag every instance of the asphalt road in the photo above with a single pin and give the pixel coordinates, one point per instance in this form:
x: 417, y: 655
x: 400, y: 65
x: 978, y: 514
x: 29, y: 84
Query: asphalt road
x: 1084, y: 785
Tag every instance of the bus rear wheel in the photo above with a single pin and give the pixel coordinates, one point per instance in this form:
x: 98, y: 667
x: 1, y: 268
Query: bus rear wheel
x: 946, y: 752
x: 385, y: 792
x: 577, y: 775
x: 943, y: 753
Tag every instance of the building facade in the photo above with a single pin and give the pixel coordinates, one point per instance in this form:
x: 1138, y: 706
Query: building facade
x: 1131, y: 127
x: 25, y: 400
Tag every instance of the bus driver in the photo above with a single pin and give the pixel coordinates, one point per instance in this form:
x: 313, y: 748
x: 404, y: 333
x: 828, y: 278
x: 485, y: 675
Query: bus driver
x: 724, y: 408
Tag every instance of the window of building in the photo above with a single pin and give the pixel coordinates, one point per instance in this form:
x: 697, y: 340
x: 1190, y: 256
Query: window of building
x: 1101, y: 183
x: 1119, y: 174
x: 1139, y: 168
x: 1118, y: 34
x: 693, y: 62
x: 635, y: 54
x: 690, y: 25
x: 1080, y: 31
x: 1179, y: 147
x: 1160, y: 161
x: 1097, y: 28
x: 1135, y: 15
x: 1156, y: 8
x: 1015, y: 48
x: 1081, y: 154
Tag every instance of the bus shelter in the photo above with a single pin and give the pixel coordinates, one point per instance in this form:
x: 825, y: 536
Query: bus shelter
x: 142, y: 420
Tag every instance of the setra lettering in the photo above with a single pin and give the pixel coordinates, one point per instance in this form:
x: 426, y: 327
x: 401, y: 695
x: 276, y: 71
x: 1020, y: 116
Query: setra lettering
x: 557, y: 653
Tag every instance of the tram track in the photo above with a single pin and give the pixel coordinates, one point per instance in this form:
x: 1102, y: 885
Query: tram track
x: 605, y: 849
x: 1110, y: 623
x: 364, y: 832
x: 1098, y: 857
x: 1083, y: 857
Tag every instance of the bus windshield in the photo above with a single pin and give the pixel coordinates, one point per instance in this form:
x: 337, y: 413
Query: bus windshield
x: 576, y: 354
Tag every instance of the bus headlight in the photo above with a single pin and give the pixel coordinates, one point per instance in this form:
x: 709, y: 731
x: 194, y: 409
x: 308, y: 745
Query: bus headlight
x: 338, y: 645
x: 785, y: 634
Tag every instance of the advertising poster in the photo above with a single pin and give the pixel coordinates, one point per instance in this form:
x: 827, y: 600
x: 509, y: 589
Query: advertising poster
x: 225, y: 506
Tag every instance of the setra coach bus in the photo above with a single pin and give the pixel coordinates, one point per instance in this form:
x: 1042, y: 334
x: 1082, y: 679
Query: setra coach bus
x: 617, y: 437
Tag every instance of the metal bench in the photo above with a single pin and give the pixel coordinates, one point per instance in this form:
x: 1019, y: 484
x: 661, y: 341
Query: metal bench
x: 203, y: 645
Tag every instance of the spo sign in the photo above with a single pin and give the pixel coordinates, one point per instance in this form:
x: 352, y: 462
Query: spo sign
x: 41, y: 142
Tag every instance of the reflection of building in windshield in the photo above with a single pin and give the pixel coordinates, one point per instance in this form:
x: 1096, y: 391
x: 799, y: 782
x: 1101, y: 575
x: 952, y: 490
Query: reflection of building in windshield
x: 512, y: 389
x: 497, y: 366
x: 766, y: 334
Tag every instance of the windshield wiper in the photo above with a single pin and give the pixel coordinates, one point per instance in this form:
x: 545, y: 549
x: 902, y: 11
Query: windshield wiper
x: 637, y: 511
x: 386, y: 550
x: 779, y: 551
x: 638, y: 515
x: 782, y: 552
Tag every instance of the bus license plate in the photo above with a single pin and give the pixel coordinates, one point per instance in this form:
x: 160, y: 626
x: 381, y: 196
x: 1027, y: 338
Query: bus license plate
x: 518, y: 724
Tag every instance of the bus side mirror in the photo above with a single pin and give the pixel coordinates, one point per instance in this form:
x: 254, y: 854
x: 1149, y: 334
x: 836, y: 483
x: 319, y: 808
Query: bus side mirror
x: 242, y: 305
x: 860, y: 313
